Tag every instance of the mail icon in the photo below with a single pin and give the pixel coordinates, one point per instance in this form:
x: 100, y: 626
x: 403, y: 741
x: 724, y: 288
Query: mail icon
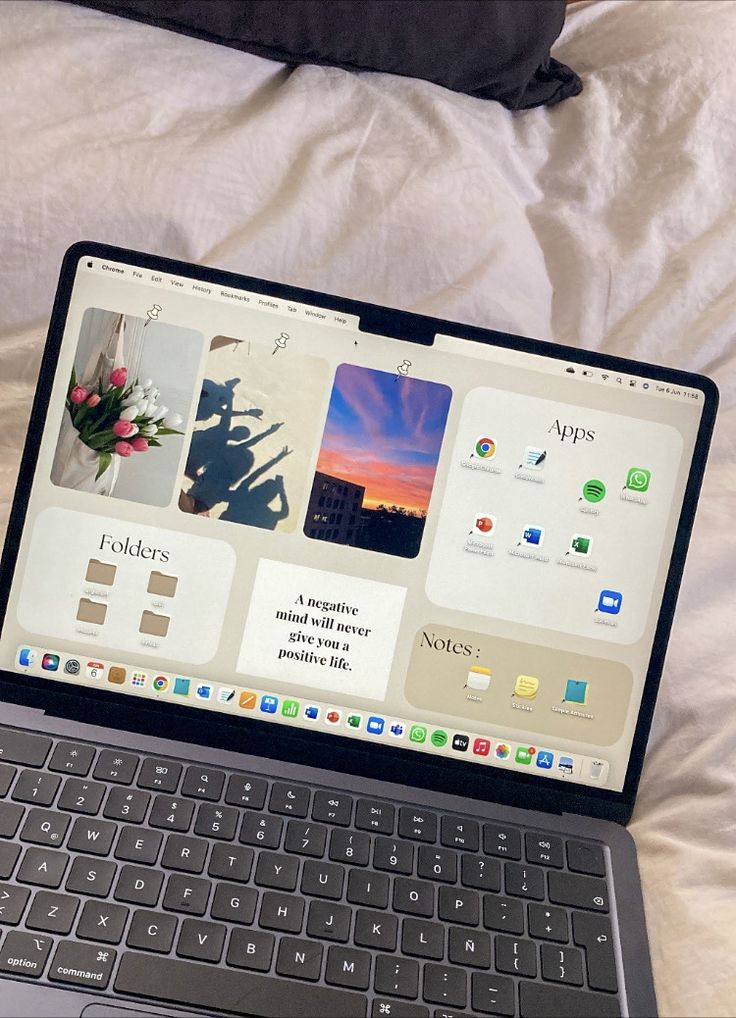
x: 91, y: 611
x: 101, y: 572
x: 153, y: 624
x: 162, y: 584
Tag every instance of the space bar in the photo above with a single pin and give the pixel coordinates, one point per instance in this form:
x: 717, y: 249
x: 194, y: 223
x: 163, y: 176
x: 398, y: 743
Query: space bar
x: 181, y: 982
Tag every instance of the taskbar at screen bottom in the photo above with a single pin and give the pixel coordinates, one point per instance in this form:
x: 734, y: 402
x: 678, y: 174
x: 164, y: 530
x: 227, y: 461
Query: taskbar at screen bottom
x: 306, y: 714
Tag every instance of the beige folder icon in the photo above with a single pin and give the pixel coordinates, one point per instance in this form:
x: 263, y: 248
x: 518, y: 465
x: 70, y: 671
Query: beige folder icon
x: 162, y: 584
x: 101, y: 572
x: 91, y: 611
x: 153, y: 624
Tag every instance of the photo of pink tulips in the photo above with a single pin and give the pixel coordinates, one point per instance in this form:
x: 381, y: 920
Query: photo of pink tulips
x: 120, y: 419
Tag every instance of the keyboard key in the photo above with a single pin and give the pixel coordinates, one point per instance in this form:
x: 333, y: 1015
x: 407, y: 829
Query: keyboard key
x: 201, y: 940
x: 417, y: 824
x: 516, y: 956
x: 12, y: 903
x: 152, y: 931
x: 25, y: 954
x: 525, y: 881
x: 52, y: 913
x: 251, y: 949
x: 103, y: 922
x: 455, y: 832
x: 470, y: 948
x: 376, y: 929
x: 44, y: 827
x: 423, y: 939
x: 245, y: 791
x: 8, y: 858
x: 413, y: 896
x: 7, y: 773
x: 261, y: 830
x: 582, y: 857
x: 203, y: 783
x: 40, y: 789
x: 349, y: 968
x: 171, y: 814
x: 544, y: 849
x: 305, y: 838
x: 160, y: 775
x: 328, y: 921
x: 332, y: 808
x: 23, y: 748
x: 197, y: 985
x: 72, y: 758
x: 539, y: 999
x: 503, y: 914
x: 351, y: 847
x: 231, y: 862
x: 322, y: 879
x: 397, y: 976
x: 43, y: 867
x: 278, y: 871
x: 548, y: 923
x: 79, y: 796
x: 593, y: 932
x: 492, y: 994
x: 219, y: 822
x: 137, y: 844
x: 562, y: 964
x: 185, y: 854
x: 394, y: 856
x: 187, y: 894
x: 234, y: 904
x: 443, y: 985
x: 91, y: 876
x: 437, y: 864
x: 459, y: 906
x: 115, y: 767
x: 92, y: 836
x: 10, y: 818
x: 82, y: 965
x: 283, y: 912
x: 479, y: 872
x: 579, y: 892
x: 374, y: 816
x: 138, y: 886
x: 368, y: 888
x: 130, y: 806
x: 291, y: 800
x: 502, y: 841
x: 299, y: 959
x: 382, y: 1007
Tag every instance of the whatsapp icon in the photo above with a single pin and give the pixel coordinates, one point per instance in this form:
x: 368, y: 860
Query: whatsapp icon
x: 637, y: 479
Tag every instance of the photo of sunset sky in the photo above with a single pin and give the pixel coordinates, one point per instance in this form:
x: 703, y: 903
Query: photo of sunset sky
x: 383, y: 434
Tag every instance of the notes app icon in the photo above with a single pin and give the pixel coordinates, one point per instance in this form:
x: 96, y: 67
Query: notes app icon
x: 478, y: 678
x: 526, y: 686
x: 90, y: 611
x: 161, y: 584
x: 102, y: 573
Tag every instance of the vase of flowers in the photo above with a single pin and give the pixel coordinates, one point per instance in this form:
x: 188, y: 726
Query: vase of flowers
x: 106, y: 424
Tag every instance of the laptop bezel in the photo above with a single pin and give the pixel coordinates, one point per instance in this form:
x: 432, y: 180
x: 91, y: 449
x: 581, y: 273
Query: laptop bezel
x: 219, y: 730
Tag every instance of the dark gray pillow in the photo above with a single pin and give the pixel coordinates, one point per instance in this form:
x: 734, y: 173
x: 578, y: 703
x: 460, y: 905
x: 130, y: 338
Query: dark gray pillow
x: 493, y: 49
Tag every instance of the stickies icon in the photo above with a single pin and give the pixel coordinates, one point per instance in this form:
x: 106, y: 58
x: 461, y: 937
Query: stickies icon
x: 161, y: 584
x: 153, y: 624
x: 526, y: 686
x: 101, y: 573
x: 92, y: 612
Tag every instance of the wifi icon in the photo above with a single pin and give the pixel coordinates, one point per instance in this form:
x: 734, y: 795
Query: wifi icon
x: 594, y: 491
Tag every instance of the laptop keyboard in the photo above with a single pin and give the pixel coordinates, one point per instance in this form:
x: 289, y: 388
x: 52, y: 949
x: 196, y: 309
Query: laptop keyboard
x: 208, y: 888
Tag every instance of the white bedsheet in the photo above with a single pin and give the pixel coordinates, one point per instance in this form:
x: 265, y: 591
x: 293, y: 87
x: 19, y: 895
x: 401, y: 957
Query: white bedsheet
x: 608, y: 222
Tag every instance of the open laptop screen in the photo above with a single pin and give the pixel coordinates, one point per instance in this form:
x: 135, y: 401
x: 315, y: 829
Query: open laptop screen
x: 248, y: 505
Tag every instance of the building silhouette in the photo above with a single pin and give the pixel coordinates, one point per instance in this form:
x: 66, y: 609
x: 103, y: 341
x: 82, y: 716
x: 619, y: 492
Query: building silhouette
x: 334, y: 510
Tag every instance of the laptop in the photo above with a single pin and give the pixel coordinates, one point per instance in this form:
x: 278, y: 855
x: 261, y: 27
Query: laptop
x: 331, y: 637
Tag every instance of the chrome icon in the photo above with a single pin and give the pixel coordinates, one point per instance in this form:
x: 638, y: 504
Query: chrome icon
x: 485, y: 448
x: 160, y: 684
